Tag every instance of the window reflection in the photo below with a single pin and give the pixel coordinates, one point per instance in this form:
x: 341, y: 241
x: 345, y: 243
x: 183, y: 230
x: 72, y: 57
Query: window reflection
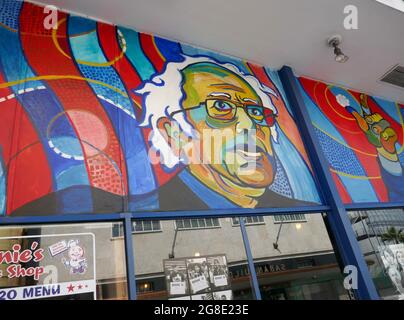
x: 197, y: 223
x: 198, y: 258
x: 381, y: 239
x: 138, y: 226
x: 249, y: 220
x: 79, y: 262
x: 294, y: 258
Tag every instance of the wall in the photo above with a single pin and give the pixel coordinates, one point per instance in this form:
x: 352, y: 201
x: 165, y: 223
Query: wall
x: 88, y: 113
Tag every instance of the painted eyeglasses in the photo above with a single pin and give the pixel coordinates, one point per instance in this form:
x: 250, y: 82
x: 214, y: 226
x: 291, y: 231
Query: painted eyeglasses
x: 226, y: 110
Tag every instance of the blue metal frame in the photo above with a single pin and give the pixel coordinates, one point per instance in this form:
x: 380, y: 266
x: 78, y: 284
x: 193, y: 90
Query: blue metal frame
x: 228, y: 212
x: 159, y: 215
x: 374, y: 206
x: 348, y: 246
x: 250, y: 259
x: 130, y: 258
x: 61, y: 219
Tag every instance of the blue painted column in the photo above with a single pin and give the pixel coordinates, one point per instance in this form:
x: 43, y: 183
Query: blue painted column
x: 130, y: 260
x: 337, y: 218
x: 250, y: 260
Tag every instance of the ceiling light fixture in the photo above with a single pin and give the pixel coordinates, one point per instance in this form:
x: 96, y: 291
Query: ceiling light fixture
x: 334, y: 42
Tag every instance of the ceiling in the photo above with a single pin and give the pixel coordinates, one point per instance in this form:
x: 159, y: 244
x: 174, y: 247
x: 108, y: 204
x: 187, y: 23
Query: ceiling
x: 272, y: 33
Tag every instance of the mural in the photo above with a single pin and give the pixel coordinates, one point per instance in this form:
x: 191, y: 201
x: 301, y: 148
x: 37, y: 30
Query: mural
x: 362, y: 139
x: 94, y: 118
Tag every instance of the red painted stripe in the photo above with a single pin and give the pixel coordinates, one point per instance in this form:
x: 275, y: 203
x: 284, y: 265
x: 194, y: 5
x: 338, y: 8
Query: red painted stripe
x: 150, y: 50
x: 77, y: 95
x: 129, y: 76
x: 28, y: 174
x: 346, y: 198
x: 131, y: 79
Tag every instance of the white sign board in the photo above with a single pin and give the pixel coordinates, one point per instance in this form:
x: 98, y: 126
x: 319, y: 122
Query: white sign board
x: 48, y: 266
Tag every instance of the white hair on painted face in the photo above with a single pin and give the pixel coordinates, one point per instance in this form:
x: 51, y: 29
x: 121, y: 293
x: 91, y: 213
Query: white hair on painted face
x: 163, y: 94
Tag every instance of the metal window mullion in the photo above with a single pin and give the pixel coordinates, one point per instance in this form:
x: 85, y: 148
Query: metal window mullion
x: 250, y: 260
x: 337, y: 218
x: 130, y: 257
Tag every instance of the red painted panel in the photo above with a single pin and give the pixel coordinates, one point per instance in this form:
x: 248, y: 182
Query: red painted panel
x: 51, y: 56
x: 150, y: 50
x: 341, y: 189
x: 28, y: 174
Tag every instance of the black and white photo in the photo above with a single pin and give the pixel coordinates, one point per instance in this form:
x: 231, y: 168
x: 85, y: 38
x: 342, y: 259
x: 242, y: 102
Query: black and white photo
x: 176, y: 277
x: 198, y: 273
x: 218, y: 271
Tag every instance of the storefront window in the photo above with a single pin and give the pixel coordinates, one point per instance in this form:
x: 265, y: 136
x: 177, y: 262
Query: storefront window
x: 64, y: 262
x: 381, y: 239
x: 198, y: 259
x: 294, y: 259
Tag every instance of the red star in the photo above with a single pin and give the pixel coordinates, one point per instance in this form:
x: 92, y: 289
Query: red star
x: 80, y: 286
x: 70, y: 288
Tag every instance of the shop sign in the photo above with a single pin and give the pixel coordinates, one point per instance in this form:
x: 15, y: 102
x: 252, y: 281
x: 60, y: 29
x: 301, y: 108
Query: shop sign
x: 47, y: 266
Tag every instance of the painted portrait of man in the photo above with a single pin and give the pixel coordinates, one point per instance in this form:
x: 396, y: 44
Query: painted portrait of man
x: 199, y: 99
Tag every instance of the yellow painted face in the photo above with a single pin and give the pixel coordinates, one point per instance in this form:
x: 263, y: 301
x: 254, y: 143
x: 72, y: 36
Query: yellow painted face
x: 228, y: 104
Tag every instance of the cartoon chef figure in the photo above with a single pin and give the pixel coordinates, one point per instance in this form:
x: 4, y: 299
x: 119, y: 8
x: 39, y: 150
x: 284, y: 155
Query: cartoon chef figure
x: 77, y: 262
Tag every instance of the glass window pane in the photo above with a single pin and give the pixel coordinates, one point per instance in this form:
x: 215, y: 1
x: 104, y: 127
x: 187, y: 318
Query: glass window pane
x: 194, y: 223
x: 200, y: 263
x: 147, y: 225
x: 381, y: 239
x: 201, y: 223
x: 76, y: 261
x: 250, y: 220
x: 156, y: 225
x: 300, y: 265
x: 215, y: 222
x: 116, y: 230
x: 180, y: 224
x: 137, y: 226
x: 209, y: 222
x: 187, y: 223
